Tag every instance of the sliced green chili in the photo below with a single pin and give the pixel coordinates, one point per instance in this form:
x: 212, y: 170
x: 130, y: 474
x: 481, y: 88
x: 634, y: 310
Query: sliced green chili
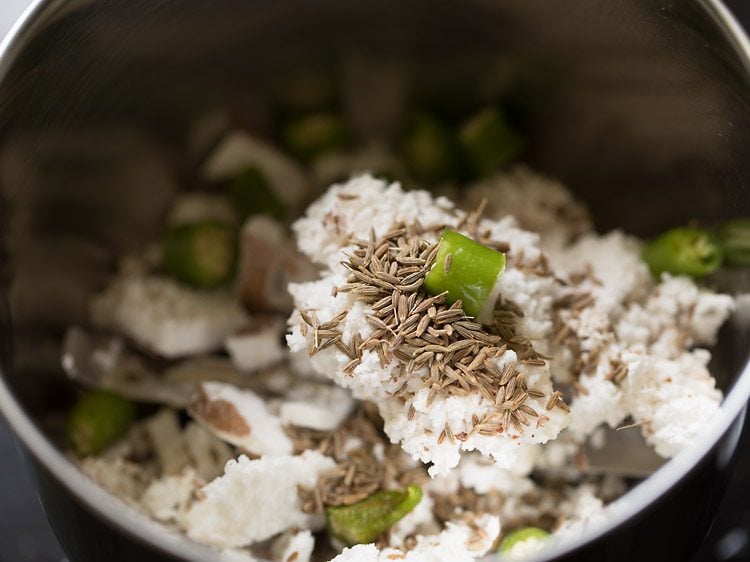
x: 735, y: 237
x: 97, y: 421
x: 364, y: 521
x: 315, y: 134
x: 201, y: 254
x: 252, y: 194
x: 488, y: 142
x: 684, y: 251
x: 465, y: 270
x: 521, y: 535
x: 427, y: 150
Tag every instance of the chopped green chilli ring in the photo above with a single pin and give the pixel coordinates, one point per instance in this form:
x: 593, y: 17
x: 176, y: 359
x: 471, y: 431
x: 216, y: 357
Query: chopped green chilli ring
x: 364, y: 521
x: 315, y: 134
x: 200, y: 254
x: 99, y: 419
x: 427, y: 149
x: 465, y: 270
x: 251, y: 194
x: 518, y: 536
x: 684, y: 251
x: 488, y: 142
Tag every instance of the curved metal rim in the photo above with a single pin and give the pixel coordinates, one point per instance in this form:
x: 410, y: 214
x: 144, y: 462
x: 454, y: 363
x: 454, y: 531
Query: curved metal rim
x: 117, y: 514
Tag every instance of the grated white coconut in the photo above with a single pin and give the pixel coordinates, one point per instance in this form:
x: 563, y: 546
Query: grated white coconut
x: 539, y: 204
x: 649, y: 327
x: 366, y: 204
x: 165, y: 317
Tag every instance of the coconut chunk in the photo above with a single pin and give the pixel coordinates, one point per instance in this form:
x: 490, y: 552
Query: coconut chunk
x: 120, y: 477
x: 259, y: 346
x: 237, y: 555
x: 293, y: 547
x: 103, y: 361
x: 254, y: 500
x: 238, y: 150
x: 239, y: 417
x: 419, y: 521
x: 316, y: 406
x: 191, y: 207
x: 165, y: 317
x: 169, y: 497
x: 478, y: 474
x: 208, y: 453
x: 164, y: 432
x: 268, y: 261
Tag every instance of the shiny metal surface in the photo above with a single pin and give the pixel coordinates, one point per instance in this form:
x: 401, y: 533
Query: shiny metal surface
x: 643, y: 107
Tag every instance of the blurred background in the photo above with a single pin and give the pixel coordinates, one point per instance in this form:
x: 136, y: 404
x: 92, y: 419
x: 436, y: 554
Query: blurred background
x: 26, y: 536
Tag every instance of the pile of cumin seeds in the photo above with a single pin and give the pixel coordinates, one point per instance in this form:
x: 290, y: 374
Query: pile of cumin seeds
x: 454, y: 354
x: 360, y: 470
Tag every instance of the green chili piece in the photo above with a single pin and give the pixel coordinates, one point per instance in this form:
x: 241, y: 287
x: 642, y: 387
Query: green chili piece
x: 684, y: 251
x: 97, y: 421
x: 488, y: 142
x: 201, y: 254
x: 315, y: 134
x: 735, y: 237
x: 466, y: 270
x: 251, y: 194
x: 364, y: 521
x: 521, y: 535
x: 427, y: 150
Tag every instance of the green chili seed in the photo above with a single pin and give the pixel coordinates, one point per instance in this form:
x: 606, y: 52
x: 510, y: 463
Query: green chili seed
x: 364, y: 521
x: 427, y: 150
x: 466, y: 270
x: 201, y: 254
x: 251, y: 194
x: 488, y: 142
x: 315, y: 134
x: 97, y: 421
x: 684, y: 251
x: 735, y: 237
x: 520, y: 535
